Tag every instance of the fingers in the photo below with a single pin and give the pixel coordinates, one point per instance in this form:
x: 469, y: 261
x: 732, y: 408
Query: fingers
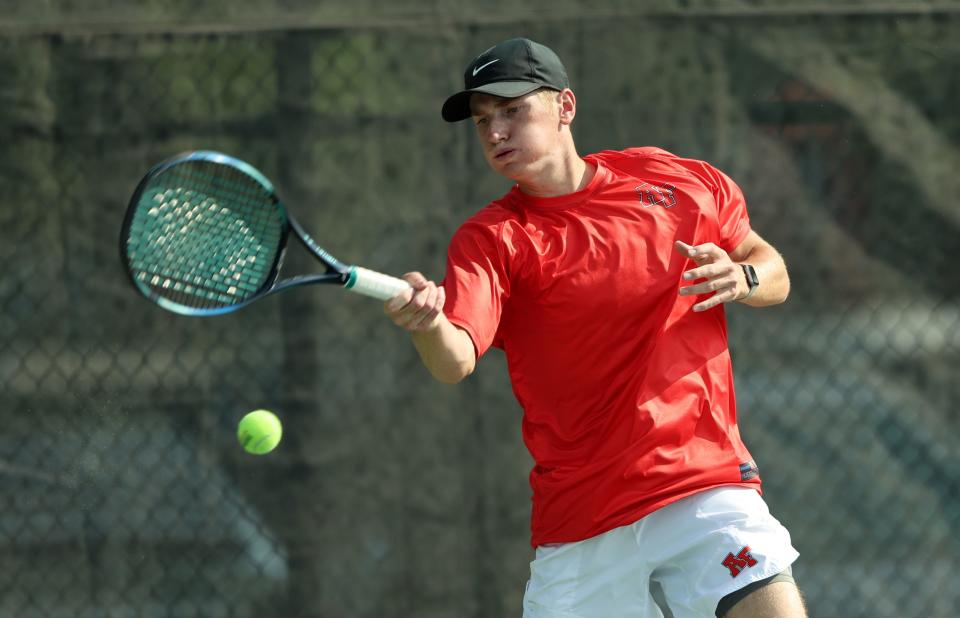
x: 720, y: 276
x: 417, y: 282
x: 722, y: 295
x: 415, y: 279
x: 419, y: 308
x: 725, y: 270
x: 701, y: 254
x: 685, y: 249
x: 426, y: 316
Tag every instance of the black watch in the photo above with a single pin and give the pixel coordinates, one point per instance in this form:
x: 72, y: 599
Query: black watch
x: 752, y: 280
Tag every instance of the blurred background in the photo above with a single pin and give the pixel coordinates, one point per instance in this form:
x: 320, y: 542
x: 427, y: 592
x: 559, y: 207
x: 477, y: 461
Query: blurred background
x: 124, y: 492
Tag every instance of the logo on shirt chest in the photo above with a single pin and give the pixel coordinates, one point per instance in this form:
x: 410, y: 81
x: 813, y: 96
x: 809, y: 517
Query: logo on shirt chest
x: 656, y: 195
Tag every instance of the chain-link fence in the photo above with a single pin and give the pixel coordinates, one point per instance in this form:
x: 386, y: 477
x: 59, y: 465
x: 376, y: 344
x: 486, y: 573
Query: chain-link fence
x: 124, y: 491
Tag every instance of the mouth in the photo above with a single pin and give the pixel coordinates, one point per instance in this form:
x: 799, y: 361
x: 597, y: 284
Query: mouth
x: 503, y: 154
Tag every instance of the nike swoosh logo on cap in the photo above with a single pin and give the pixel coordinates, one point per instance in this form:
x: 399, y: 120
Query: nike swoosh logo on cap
x: 483, y: 66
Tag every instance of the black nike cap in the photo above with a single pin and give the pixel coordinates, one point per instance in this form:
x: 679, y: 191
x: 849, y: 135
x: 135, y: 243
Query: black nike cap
x: 509, y: 69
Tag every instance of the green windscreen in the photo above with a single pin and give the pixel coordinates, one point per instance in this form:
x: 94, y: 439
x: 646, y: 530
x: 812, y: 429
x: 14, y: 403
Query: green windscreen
x: 204, y: 235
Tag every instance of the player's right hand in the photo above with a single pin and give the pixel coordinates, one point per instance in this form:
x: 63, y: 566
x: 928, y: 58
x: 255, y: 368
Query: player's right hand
x: 418, y: 309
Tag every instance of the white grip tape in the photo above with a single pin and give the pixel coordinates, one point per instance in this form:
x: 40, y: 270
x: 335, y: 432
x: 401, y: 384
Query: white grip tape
x: 377, y: 285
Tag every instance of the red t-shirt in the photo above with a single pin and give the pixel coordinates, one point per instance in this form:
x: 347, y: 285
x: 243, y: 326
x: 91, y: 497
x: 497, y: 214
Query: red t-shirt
x: 627, y: 393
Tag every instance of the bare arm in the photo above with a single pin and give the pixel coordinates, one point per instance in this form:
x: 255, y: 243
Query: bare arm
x: 723, y: 276
x: 446, y: 350
x: 771, y: 270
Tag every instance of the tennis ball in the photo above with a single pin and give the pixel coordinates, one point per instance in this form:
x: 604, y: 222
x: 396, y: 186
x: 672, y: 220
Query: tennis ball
x: 259, y: 432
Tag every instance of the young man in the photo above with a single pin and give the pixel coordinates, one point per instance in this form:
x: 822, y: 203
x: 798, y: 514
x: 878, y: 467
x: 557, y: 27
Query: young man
x: 603, y: 278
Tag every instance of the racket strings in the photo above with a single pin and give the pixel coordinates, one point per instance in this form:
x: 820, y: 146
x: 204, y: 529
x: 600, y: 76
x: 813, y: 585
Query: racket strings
x: 205, y: 235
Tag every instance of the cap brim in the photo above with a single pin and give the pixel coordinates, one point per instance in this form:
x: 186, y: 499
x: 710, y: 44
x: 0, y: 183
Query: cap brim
x: 457, y: 107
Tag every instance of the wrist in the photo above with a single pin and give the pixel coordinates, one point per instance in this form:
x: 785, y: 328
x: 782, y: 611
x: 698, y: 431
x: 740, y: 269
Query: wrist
x: 753, y: 281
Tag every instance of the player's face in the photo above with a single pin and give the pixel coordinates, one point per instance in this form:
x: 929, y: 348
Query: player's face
x: 518, y: 135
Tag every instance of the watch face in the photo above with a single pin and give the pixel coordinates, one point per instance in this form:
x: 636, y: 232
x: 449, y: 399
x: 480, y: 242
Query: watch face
x: 751, y: 275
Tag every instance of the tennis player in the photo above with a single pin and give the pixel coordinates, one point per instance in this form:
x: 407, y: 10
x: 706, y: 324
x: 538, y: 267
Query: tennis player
x: 604, y: 278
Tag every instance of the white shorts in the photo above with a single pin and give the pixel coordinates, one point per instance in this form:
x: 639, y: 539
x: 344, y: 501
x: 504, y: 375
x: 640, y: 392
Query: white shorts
x: 697, y: 550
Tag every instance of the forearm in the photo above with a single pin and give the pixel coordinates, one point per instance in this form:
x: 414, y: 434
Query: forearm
x: 772, y: 273
x: 446, y: 350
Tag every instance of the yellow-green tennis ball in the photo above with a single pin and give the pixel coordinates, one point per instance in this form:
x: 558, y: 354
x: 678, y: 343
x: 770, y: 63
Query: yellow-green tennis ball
x: 259, y: 432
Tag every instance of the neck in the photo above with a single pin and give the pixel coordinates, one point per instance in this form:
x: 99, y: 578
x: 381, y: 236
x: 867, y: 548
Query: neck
x: 567, y: 175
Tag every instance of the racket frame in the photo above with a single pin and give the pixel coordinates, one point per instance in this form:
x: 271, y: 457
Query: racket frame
x: 337, y: 272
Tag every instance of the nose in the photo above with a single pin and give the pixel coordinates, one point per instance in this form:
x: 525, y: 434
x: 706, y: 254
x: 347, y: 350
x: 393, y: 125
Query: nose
x: 497, y: 132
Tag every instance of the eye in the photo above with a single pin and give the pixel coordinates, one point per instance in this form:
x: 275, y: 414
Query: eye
x: 480, y: 121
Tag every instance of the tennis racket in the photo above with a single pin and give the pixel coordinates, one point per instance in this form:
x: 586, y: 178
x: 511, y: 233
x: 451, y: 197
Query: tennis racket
x: 205, y: 234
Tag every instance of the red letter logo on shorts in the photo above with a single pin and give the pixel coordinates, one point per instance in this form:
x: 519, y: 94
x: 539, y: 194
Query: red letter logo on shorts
x: 739, y: 562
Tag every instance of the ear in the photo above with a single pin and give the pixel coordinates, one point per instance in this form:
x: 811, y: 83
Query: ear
x: 568, y: 106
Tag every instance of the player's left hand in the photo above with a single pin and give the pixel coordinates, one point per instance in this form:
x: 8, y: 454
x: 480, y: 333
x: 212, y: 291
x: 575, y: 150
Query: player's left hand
x: 720, y: 275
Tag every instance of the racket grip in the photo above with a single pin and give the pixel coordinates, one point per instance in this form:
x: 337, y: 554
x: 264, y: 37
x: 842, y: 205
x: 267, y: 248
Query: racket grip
x: 371, y: 283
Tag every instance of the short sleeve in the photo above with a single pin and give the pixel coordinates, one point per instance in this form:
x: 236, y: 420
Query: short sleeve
x: 732, y: 218
x: 731, y: 208
x: 476, y: 282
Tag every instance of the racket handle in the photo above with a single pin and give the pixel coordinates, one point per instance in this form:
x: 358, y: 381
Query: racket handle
x: 371, y: 283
